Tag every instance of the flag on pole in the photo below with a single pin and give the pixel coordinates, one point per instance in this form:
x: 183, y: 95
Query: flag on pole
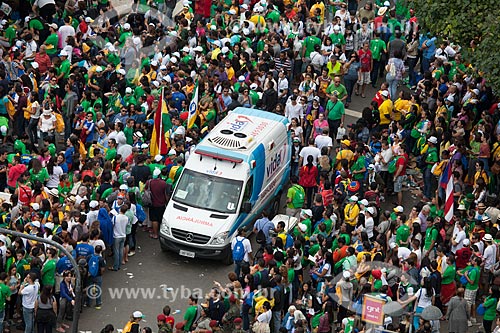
x: 193, y: 107
x: 447, y: 184
x: 160, y: 143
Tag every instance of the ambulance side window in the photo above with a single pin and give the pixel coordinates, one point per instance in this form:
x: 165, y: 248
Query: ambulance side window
x: 248, y: 190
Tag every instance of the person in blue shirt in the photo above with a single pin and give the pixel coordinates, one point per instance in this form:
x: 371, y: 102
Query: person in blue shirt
x: 428, y: 47
x: 88, y: 128
x: 63, y: 264
x: 265, y: 225
x: 84, y: 249
x: 177, y: 96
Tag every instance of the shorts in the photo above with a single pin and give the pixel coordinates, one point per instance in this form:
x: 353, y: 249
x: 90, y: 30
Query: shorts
x: 364, y: 78
x: 156, y: 213
x: 398, y: 184
x: 470, y: 296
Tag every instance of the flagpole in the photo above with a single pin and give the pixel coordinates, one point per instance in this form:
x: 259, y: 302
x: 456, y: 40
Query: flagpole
x: 161, y: 121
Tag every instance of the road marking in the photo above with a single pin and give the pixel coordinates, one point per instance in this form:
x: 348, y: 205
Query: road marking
x: 353, y: 113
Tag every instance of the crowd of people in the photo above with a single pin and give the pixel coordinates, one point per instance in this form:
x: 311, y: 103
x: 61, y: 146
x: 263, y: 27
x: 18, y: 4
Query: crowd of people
x: 80, y: 83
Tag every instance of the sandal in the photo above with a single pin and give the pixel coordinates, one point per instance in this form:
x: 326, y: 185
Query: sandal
x: 363, y: 96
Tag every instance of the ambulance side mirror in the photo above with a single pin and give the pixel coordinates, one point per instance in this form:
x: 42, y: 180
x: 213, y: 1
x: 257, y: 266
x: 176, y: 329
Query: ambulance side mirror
x: 246, y: 207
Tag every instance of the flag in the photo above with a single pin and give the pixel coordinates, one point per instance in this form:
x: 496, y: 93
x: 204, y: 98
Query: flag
x: 447, y: 184
x: 160, y: 143
x: 193, y: 107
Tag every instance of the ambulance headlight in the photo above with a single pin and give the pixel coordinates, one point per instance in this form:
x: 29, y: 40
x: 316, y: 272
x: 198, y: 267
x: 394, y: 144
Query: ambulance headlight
x: 164, y: 228
x: 219, y: 239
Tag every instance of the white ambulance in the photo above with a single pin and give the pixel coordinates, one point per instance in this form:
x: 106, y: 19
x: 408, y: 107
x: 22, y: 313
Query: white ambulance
x: 238, y: 170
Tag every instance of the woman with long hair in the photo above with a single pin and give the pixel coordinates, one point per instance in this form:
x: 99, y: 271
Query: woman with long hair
x: 66, y: 300
x: 425, y: 297
x: 55, y: 172
x: 326, y: 320
x: 45, y: 309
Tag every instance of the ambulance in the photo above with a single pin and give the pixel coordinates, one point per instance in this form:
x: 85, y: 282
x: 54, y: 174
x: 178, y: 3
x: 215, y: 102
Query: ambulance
x: 240, y: 168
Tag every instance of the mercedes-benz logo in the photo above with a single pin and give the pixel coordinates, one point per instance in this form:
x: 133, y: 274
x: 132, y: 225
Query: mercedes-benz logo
x: 189, y: 237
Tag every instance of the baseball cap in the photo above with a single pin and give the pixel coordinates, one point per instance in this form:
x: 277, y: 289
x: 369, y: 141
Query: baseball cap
x: 122, y: 72
x: 128, y: 90
x: 126, y: 26
x: 363, y: 202
x: 93, y: 204
x: 466, y: 242
x: 433, y: 140
x: 384, y: 93
x: 158, y: 158
x: 137, y: 314
x: 399, y: 209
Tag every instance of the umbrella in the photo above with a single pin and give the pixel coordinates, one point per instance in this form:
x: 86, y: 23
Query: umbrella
x: 125, y: 151
x: 431, y: 313
x: 393, y: 309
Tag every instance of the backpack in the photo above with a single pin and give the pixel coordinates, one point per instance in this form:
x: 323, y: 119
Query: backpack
x: 421, y: 164
x: 59, y: 123
x: 147, y: 196
x: 239, y: 250
x: 24, y: 195
x: 261, y: 237
x: 298, y: 197
x: 392, y: 165
x: 140, y: 213
x: 94, y: 265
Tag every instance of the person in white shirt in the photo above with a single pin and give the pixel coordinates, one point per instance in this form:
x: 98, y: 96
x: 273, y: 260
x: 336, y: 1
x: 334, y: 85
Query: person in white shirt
x: 282, y: 85
x: 120, y: 223
x: 324, y: 140
x: 458, y: 237
x: 65, y: 31
x: 489, y: 255
x: 415, y: 248
x: 29, y: 291
x: 309, y: 150
x: 294, y: 110
x: 247, y: 247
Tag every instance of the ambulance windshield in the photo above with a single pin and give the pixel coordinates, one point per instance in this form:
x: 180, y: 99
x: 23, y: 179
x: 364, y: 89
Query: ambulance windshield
x: 209, y: 192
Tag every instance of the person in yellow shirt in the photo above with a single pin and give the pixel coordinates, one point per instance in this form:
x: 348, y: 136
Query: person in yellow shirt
x: 345, y: 153
x: 385, y: 110
x: 351, y: 213
x: 229, y: 70
x: 402, y: 105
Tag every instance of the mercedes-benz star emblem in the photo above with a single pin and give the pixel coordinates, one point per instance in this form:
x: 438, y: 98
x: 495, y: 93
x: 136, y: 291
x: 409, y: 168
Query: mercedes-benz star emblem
x: 189, y: 237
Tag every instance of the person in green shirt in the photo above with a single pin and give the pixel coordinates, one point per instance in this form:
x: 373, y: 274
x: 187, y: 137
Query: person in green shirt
x: 52, y: 41
x: 338, y: 87
x: 308, y: 46
x: 190, y: 314
x: 5, y: 294
x: 9, y: 35
x: 65, y: 67
x: 335, y: 113
x: 358, y: 169
x: 431, y: 159
x: 111, y: 151
x: 37, y: 173
x: 125, y: 34
x: 472, y: 274
x: 403, y: 234
x: 430, y: 239
x: 157, y: 164
x: 49, y: 268
x: 490, y: 306
x: 337, y: 37
x: 377, y: 47
x: 22, y: 265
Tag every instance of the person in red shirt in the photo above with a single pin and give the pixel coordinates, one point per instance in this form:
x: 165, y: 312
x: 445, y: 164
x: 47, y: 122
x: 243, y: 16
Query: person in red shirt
x: 16, y: 169
x: 307, y: 179
x: 168, y: 318
x: 366, y: 61
x: 401, y: 162
x: 42, y: 59
x: 463, y: 255
x: 378, y: 96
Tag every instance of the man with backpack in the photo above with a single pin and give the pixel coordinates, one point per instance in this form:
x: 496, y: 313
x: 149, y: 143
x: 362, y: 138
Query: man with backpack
x: 96, y: 265
x: 262, y: 227
x: 295, y: 197
x: 241, y: 249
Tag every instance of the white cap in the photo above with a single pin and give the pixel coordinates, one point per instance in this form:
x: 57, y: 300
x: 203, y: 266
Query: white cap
x: 336, y: 27
x: 154, y: 63
x: 254, y: 86
x: 3, y: 130
x: 156, y: 172
x: 236, y: 29
x: 158, y: 158
x: 346, y: 275
x: 302, y: 227
x: 63, y: 53
x: 172, y: 152
x: 173, y: 60
x: 363, y: 202
x: 217, y: 43
x: 198, y: 49
x: 244, y: 6
x: 144, y: 146
x: 36, y: 224
x: 49, y: 225
x: 466, y: 242
x: 124, y: 187
x: 306, y: 212
x: 241, y: 78
x: 88, y: 20
x: 353, y: 198
x: 185, y: 49
x: 137, y: 314
x: 475, y: 91
x: 393, y: 245
x: 128, y: 90
x: 34, y: 65
x: 399, y: 209
x: 121, y: 71
x: 387, y: 4
x: 384, y: 93
x: 176, y: 54
x: 371, y: 210
x: 433, y: 140
x: 126, y: 26
x: 111, y: 48
x: 231, y: 12
x: 225, y: 50
x: 136, y: 40
x: 138, y: 134
x: 156, y: 83
x: 93, y: 204
x: 98, y: 69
